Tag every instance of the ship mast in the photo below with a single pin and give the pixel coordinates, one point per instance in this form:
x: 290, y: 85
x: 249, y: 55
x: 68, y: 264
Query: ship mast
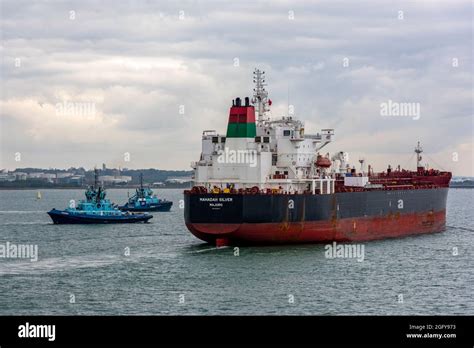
x: 96, y: 178
x: 260, y: 95
x: 97, y: 187
x: 418, y: 151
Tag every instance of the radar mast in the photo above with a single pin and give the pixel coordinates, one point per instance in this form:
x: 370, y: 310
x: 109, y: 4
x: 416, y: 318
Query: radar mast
x: 260, y: 95
x: 418, y: 151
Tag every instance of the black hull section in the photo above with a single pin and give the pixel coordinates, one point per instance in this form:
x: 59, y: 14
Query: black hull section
x: 275, y: 208
x: 59, y: 217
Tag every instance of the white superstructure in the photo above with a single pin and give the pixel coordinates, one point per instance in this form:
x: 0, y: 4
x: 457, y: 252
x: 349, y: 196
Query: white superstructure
x: 279, y: 157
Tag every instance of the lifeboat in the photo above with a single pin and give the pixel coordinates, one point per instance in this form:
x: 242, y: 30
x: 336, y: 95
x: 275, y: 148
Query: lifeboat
x: 323, y: 162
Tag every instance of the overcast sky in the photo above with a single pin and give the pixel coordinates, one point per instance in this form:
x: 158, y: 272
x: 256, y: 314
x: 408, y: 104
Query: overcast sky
x: 154, y: 74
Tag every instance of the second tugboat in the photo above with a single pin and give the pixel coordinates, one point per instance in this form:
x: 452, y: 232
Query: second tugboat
x: 96, y: 209
x: 145, y: 200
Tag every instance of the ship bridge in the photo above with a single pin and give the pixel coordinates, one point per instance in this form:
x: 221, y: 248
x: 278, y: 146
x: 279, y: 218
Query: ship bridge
x: 257, y: 151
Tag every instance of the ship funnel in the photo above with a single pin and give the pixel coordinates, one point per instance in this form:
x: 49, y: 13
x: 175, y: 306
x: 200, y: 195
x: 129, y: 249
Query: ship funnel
x: 241, y: 120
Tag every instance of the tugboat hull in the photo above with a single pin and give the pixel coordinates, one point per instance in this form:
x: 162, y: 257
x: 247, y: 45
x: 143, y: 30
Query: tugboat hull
x: 163, y: 206
x: 63, y: 217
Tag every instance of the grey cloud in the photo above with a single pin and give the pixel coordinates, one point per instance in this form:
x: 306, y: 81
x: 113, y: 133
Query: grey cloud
x: 138, y: 61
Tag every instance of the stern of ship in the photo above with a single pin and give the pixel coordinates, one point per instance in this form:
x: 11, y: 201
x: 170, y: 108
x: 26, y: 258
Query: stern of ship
x: 213, y: 218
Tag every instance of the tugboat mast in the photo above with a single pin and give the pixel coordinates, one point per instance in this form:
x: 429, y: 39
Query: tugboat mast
x: 97, y: 188
x: 260, y: 95
x: 96, y: 178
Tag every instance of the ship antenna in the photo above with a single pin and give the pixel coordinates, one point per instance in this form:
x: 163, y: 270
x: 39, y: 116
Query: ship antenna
x: 418, y: 151
x: 260, y: 95
x: 288, y: 104
x: 362, y: 165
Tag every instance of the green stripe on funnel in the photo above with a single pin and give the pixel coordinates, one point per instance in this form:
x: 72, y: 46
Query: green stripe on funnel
x: 241, y: 130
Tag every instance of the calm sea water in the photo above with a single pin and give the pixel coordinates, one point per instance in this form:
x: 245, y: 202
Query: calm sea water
x: 169, y: 271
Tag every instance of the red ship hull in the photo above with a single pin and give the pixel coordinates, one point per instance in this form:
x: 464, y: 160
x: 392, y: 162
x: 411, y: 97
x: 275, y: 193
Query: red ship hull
x: 344, y: 230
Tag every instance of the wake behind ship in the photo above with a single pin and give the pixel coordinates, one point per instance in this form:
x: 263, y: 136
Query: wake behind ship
x: 265, y: 182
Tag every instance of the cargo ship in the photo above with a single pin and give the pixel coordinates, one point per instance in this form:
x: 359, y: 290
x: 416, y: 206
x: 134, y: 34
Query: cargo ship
x: 266, y: 182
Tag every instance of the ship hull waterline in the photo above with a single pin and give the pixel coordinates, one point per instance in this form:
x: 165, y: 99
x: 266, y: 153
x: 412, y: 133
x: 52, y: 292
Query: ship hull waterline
x: 346, y: 230
x: 345, y: 217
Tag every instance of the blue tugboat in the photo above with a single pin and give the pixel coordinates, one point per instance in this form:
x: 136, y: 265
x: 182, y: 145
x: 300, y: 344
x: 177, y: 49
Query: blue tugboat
x: 145, y: 200
x: 95, y: 209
